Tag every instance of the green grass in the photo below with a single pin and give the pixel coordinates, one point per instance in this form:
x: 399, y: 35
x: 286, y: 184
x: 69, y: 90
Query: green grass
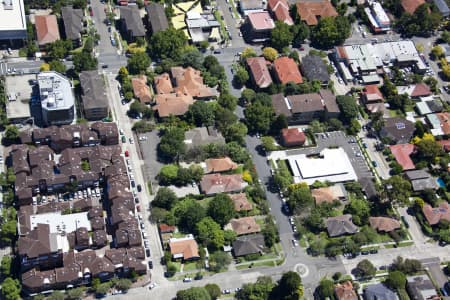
x: 223, y: 32
x: 302, y: 242
x: 190, y: 266
x: 233, y: 8
x: 406, y: 244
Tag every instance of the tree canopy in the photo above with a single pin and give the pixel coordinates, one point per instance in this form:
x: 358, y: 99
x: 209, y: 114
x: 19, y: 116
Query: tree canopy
x: 330, y: 31
x: 348, y: 107
x: 221, y: 209
x: 193, y: 293
x: 165, y: 198
x: 138, y: 63
x: 365, y: 269
x: 281, y: 36
x: 209, y: 233
x: 290, y: 286
x: 172, y: 143
x: 168, y: 43
x: 259, y: 117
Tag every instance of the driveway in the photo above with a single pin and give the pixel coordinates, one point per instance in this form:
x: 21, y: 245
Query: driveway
x: 149, y: 151
x: 433, y: 265
x: 414, y: 228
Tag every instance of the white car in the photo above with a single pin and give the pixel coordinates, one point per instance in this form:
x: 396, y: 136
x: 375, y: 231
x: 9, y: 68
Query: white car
x: 294, y: 242
x: 187, y: 279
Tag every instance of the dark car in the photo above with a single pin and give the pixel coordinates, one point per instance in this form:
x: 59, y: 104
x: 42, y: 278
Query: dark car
x: 133, y: 184
x: 104, y: 66
x: 150, y: 264
x: 147, y: 252
x: 139, y: 188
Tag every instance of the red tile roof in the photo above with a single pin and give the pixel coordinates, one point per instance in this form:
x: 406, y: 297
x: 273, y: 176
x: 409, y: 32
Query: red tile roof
x: 163, y: 84
x: 261, y: 21
x: 434, y: 215
x: 444, y: 118
x: 287, y: 70
x: 240, y: 202
x: 445, y: 144
x: 176, y: 104
x: 373, y: 93
x: 260, y: 73
x: 280, y: 9
x: 310, y: 10
x: 421, y: 90
x: 187, y: 247
x: 410, y: 6
x: 384, y: 224
x: 140, y: 89
x: 218, y: 183
x: 402, y: 154
x: 293, y: 136
x: 164, y: 228
x: 242, y: 226
x: 46, y: 29
x: 220, y: 165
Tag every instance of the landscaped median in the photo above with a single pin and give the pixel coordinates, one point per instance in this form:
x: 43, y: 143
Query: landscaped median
x: 368, y: 160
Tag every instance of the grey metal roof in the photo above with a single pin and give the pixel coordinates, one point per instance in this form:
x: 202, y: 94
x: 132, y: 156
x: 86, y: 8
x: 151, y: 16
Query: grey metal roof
x: 73, y: 22
x: 379, y: 292
x: 442, y: 6
x: 248, y: 244
x: 341, y: 225
x: 314, y: 68
x: 94, y: 94
x: 157, y: 17
x: 132, y: 18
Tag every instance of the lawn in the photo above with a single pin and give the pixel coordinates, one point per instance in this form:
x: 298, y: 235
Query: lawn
x: 190, y: 266
x: 223, y: 32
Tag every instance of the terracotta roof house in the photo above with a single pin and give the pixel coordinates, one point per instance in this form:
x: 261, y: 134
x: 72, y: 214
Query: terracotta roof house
x: 140, y: 89
x: 156, y: 17
x: 217, y: 165
x: 73, y: 23
x: 240, y: 202
x: 314, y: 68
x: 402, y: 154
x: 329, y: 194
x: 176, y: 104
x: 420, y: 287
x: 292, y: 137
x: 345, y: 291
x: 410, y: 6
x: 190, y: 81
x: 203, y: 136
x: 163, y: 84
x: 185, y: 248
x: 399, y: 130
x: 421, y: 180
x: 435, y: 215
x: 164, y: 228
x: 415, y: 90
x: 311, y: 11
x: 372, y: 98
x: 259, y: 72
x: 445, y: 145
x: 131, y: 23
x: 379, y: 291
x: 340, y: 225
x: 286, y: 70
x: 243, y: 226
x: 280, y: 9
x: 47, y: 30
x: 248, y: 244
x: 217, y: 183
x: 384, y: 224
x: 444, y: 119
x: 260, y: 25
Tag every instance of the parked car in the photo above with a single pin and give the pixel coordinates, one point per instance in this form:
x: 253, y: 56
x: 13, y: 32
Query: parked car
x: 187, y: 279
x: 124, y: 139
x: 139, y: 188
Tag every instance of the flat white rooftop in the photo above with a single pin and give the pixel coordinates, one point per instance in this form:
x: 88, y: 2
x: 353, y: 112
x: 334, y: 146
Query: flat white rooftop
x: 59, y: 222
x: 55, y: 91
x: 12, y: 15
x: 333, y: 165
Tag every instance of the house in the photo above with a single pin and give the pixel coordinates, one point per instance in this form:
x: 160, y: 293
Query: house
x: 410, y: 6
x: 420, y: 287
x: 47, y: 30
x: 131, y: 23
x: 240, y: 202
x: 163, y: 84
x: 259, y: 72
x: 445, y: 145
x: 248, y: 244
x: 164, y: 228
x: 345, y: 291
x: 94, y: 100
x: 304, y: 108
x: 241, y: 226
x: 202, y: 136
x: 311, y: 11
x: 259, y: 25
x: 402, y: 154
x: 185, y: 248
x: 189, y: 81
x: 13, y: 25
x: 372, y: 98
x: 444, y: 120
x: 379, y: 291
x: 329, y: 194
x: 107, y: 132
x: 251, y: 6
x: 291, y: 137
x: 73, y: 23
x: 398, y: 130
x: 435, y: 215
x: 140, y: 89
x: 429, y: 107
x: 217, y: 165
x: 415, y: 91
x: 286, y: 70
x: 379, y: 21
x: 156, y: 17
x: 176, y: 104
x: 217, y: 183
x: 421, y: 180
x: 384, y: 224
x: 340, y: 225
x: 280, y: 11
x: 314, y: 68
x: 442, y: 7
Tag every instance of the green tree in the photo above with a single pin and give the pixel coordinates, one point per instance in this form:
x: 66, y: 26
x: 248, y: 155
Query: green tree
x: 365, y: 269
x: 348, y: 107
x: 290, y: 286
x: 326, y: 289
x: 75, y: 294
x: 281, y: 36
x: 248, y: 95
x: 259, y: 117
x: 11, y: 133
x: 300, y: 198
x: 172, y: 144
x: 235, y: 132
x: 123, y: 284
x: 229, y: 236
x: 11, y: 289
x: 221, y: 209
x: 445, y: 36
x: 58, y: 49
x: 421, y: 23
x: 228, y: 101
x: 270, y: 232
x: 248, y: 52
x: 201, y: 114
x: 301, y: 33
x: 56, y: 295
x: 6, y: 266
x: 429, y: 149
x: 168, y: 43
x: 191, y: 57
x: 219, y: 260
x: 396, y: 280
x: 268, y: 143
x: 437, y: 52
x: 193, y: 293
x: 84, y: 61
x: 8, y: 231
x: 58, y: 66
x: 360, y: 211
x: 165, y: 198
x: 168, y: 174
x: 260, y: 290
x: 241, y: 75
x: 270, y: 53
x: 330, y: 31
x: 213, y: 290
x: 138, y: 63
x: 102, y: 288
x: 398, y: 189
x: 188, y: 213
x: 210, y: 233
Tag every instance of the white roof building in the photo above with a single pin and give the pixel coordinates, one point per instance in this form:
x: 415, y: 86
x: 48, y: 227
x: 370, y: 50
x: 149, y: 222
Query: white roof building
x: 332, y: 165
x: 13, y: 25
x: 377, y: 17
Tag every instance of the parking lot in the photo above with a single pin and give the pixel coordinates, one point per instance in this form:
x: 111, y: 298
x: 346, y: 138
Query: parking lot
x: 149, y: 152
x: 332, y: 139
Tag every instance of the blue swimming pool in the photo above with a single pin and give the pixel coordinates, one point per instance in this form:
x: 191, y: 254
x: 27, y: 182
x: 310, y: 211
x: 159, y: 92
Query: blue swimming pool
x: 440, y: 182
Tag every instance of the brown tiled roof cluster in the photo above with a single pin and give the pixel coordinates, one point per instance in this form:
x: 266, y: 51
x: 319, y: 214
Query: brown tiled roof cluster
x: 218, y: 183
x: 287, y: 70
x: 280, y: 8
x: 220, y: 165
x: 240, y: 202
x: 47, y: 29
x: 140, y: 89
x: 341, y: 225
x: 435, y: 214
x: 410, y: 6
x: 186, y: 247
x: 384, y: 224
x: 305, y: 103
x: 293, y: 137
x: 244, y: 225
x: 259, y: 71
x: 309, y: 11
x: 345, y: 291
